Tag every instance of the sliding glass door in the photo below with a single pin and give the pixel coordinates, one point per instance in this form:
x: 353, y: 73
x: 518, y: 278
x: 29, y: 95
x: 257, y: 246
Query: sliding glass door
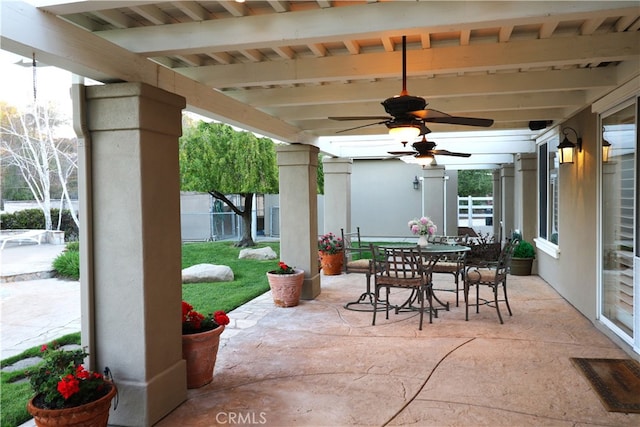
x: 619, y: 292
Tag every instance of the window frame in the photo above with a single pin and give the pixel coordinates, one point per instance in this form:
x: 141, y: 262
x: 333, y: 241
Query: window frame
x: 548, y: 193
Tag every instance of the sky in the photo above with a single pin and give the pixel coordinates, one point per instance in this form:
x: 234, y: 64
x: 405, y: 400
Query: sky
x: 16, y: 84
x: 52, y: 84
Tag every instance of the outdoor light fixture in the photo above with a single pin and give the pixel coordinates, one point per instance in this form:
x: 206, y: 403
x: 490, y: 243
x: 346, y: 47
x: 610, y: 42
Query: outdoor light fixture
x: 416, y: 183
x: 606, y: 146
x: 567, y: 148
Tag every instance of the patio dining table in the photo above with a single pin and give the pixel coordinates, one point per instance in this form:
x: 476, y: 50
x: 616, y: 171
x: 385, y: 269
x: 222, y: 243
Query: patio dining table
x: 440, y: 250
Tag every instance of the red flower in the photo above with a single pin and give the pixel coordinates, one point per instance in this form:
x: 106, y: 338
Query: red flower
x: 196, y: 319
x: 81, y: 373
x: 194, y: 322
x: 43, y: 348
x: 186, y: 308
x: 221, y: 318
x: 68, y: 386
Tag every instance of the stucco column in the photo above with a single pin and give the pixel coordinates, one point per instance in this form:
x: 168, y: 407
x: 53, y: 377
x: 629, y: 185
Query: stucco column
x: 134, y: 130
x: 337, y: 194
x: 434, y: 202
x: 450, y: 185
x: 497, y: 203
x: 298, y: 166
x: 527, y: 217
x: 506, y: 181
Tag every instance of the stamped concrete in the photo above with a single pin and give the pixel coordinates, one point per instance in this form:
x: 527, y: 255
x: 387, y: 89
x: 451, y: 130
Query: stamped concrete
x: 28, y: 261
x: 34, y: 309
x: 318, y: 364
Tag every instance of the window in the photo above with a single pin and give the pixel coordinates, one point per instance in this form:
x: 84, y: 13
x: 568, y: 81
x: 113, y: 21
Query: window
x: 548, y: 190
x: 619, y: 219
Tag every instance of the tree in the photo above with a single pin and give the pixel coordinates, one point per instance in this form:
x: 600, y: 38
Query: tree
x: 220, y: 161
x: 29, y: 143
x: 476, y: 183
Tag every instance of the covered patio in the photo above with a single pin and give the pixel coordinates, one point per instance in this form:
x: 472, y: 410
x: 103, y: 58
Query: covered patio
x: 283, y: 69
x: 320, y: 364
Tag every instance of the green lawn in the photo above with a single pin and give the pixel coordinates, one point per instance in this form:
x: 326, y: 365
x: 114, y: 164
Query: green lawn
x: 250, y: 276
x: 249, y: 282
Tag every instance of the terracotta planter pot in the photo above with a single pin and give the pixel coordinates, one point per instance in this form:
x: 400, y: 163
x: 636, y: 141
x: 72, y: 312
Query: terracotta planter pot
x: 201, y: 351
x: 286, y: 288
x: 332, y: 263
x: 94, y: 414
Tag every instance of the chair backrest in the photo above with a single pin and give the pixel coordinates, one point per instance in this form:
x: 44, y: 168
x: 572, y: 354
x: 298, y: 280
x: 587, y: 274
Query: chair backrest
x: 402, y: 264
x: 352, y: 243
x: 483, y: 250
x: 504, y: 260
x: 440, y: 239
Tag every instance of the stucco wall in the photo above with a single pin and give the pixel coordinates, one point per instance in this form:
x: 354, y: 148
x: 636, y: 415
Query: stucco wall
x: 384, y: 200
x: 574, y: 273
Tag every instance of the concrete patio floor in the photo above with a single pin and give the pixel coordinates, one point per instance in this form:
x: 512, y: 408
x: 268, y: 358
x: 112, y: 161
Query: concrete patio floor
x: 319, y: 364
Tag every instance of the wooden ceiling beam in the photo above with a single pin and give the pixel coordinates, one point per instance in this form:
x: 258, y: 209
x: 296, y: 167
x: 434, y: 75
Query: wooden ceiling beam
x: 527, y: 54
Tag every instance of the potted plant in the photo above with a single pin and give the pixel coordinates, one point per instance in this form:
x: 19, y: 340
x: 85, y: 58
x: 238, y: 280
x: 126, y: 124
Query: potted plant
x: 286, y: 285
x: 424, y: 227
x: 522, y: 260
x: 330, y: 251
x: 65, y: 393
x: 200, y: 342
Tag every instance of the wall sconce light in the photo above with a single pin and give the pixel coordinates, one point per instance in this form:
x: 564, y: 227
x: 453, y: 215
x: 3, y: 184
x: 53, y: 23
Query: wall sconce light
x: 606, y: 146
x: 416, y: 183
x: 567, y: 148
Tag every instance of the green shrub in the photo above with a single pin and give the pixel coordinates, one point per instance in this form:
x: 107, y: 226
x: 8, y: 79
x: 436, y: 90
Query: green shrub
x: 67, y: 264
x: 67, y: 224
x: 524, y: 250
x: 33, y: 219
x: 73, y: 246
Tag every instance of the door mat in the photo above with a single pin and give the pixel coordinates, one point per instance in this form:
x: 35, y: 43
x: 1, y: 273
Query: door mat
x: 616, y: 381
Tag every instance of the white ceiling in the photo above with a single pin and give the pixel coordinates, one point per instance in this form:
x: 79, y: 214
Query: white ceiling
x: 281, y: 68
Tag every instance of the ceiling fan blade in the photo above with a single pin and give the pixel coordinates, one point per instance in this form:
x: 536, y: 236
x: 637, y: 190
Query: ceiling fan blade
x: 435, y: 116
x: 449, y: 153
x: 407, y: 110
x: 466, y: 121
x: 402, y: 153
x: 428, y: 113
x: 363, y: 126
x: 349, y: 118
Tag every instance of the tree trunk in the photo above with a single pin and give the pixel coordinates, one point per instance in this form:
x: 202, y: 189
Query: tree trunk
x: 247, y: 214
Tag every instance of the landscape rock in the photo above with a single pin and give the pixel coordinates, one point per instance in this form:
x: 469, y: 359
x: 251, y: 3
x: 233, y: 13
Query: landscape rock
x: 259, y: 254
x: 207, y: 273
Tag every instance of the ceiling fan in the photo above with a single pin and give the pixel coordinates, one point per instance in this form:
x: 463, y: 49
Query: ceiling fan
x: 407, y: 114
x: 425, y: 150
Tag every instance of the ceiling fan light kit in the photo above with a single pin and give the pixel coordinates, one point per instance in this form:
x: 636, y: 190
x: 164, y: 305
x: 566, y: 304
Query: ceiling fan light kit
x: 404, y: 133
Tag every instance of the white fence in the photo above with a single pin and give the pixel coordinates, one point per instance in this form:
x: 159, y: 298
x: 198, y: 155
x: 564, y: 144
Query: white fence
x: 475, y: 211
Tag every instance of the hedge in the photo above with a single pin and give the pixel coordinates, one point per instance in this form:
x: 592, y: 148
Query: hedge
x: 33, y: 219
